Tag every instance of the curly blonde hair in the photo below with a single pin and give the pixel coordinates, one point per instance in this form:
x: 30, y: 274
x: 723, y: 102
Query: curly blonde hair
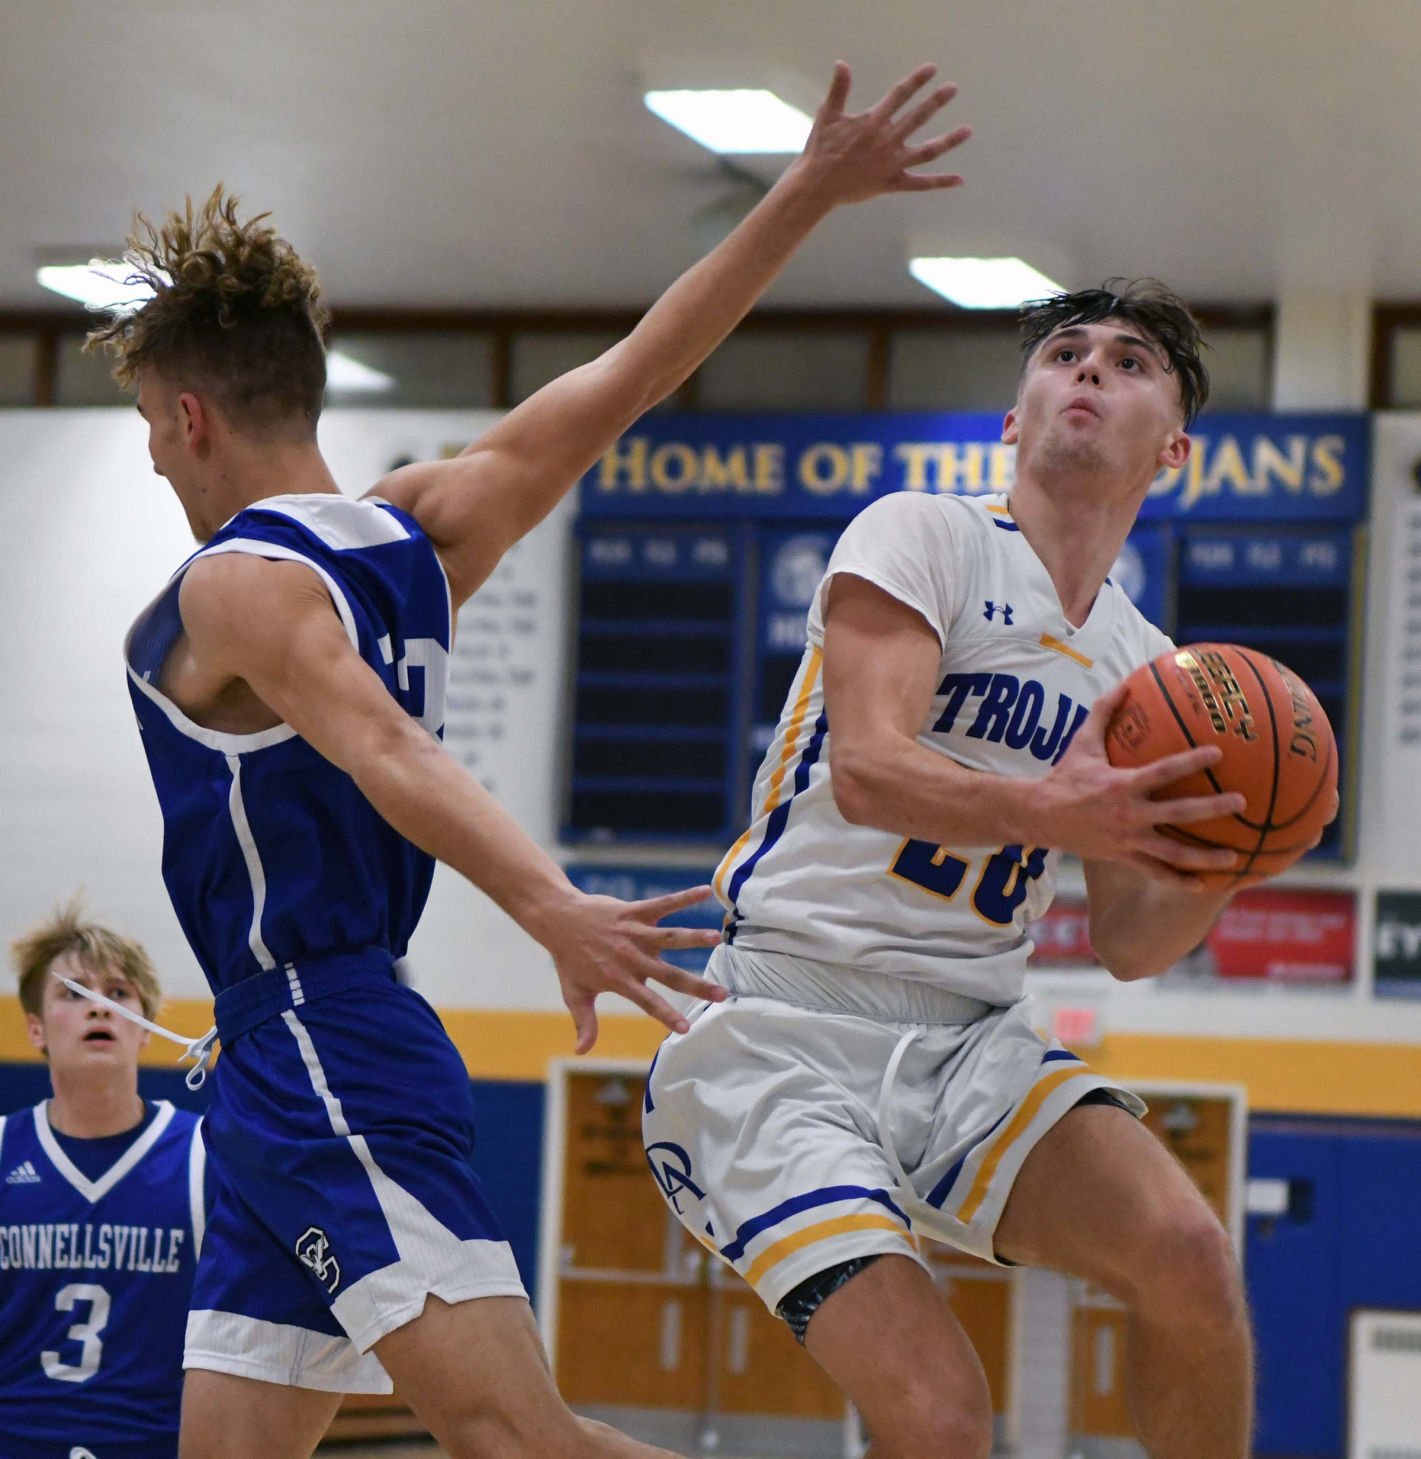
x: 235, y: 313
x: 98, y: 948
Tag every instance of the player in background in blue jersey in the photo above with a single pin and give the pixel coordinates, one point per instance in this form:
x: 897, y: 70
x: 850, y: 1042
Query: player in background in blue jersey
x: 289, y: 687
x: 101, y: 1216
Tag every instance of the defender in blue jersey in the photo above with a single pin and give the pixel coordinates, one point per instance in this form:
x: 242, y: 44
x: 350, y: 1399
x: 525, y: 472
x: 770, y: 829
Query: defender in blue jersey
x: 289, y: 684
x: 102, y: 1209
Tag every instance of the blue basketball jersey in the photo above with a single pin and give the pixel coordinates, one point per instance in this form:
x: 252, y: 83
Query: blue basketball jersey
x: 95, y: 1277
x: 271, y: 854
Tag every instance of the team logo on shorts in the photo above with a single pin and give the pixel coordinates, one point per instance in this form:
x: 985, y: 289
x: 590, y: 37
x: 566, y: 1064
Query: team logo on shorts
x: 672, y: 1168
x: 313, y: 1250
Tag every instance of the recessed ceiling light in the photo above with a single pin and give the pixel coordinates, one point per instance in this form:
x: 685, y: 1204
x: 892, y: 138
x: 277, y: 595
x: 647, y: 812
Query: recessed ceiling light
x: 101, y: 283
x: 983, y: 283
x: 739, y: 122
x: 344, y: 372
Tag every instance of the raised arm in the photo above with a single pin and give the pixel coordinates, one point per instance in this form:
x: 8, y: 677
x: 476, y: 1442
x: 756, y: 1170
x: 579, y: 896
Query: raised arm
x: 477, y: 505
x: 272, y: 625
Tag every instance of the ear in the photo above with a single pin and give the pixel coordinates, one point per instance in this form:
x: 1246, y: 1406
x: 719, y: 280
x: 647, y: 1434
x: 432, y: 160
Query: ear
x: 1011, y: 432
x: 1175, y: 451
x: 35, y: 1029
x: 194, y: 421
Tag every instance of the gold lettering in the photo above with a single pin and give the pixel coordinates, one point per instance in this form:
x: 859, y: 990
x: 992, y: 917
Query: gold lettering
x: 865, y: 463
x: 769, y: 467
x: 1272, y: 465
x: 674, y: 466
x: 914, y: 455
x: 1328, y: 475
x: 730, y: 470
x: 1228, y: 468
x: 629, y: 459
x: 823, y: 468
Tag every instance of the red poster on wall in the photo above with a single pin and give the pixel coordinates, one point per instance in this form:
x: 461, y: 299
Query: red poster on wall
x: 1273, y: 934
x: 1284, y: 936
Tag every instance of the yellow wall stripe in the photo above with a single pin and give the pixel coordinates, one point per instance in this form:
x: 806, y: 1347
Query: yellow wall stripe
x: 787, y: 756
x: 821, y: 1231
x: 1055, y: 644
x: 1041, y: 1091
x: 1283, y: 1076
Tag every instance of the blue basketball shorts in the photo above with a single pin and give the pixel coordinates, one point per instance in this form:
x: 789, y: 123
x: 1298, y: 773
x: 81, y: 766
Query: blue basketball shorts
x: 340, y: 1139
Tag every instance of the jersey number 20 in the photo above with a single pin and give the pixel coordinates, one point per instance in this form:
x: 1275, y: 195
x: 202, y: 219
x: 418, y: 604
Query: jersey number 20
x: 1001, y: 888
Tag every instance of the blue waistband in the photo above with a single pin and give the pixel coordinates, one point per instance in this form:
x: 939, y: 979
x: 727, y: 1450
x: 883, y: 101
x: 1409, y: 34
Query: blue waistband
x: 240, y: 1008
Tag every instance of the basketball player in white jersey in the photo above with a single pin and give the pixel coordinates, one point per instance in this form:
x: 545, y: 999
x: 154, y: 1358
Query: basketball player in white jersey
x: 305, y: 799
x: 873, y: 1074
x: 102, y: 1209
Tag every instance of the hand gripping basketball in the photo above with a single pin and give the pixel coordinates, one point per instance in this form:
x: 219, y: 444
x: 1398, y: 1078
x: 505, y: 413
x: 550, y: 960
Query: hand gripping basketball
x: 1276, y: 751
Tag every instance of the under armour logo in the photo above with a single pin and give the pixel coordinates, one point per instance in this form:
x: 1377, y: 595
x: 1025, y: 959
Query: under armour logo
x: 313, y: 1250
x: 1003, y: 608
x: 672, y: 1170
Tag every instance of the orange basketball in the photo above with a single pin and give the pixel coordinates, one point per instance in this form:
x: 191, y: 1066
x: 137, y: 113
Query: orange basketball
x: 1278, y: 750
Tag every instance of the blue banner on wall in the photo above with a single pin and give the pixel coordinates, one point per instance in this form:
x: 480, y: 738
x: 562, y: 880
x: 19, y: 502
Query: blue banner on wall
x: 1243, y: 468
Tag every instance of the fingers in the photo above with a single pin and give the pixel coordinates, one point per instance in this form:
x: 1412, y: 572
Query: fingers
x: 680, y: 981
x: 1160, y: 773
x: 653, y: 909
x: 1091, y: 735
x: 931, y: 151
x: 917, y: 115
x: 917, y: 182
x: 1188, y: 809
x: 583, y: 1008
x: 679, y: 938
x: 899, y: 93
x: 833, y: 104
x: 655, y: 1005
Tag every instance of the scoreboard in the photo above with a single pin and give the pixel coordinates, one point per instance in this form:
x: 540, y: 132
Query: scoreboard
x: 702, y: 538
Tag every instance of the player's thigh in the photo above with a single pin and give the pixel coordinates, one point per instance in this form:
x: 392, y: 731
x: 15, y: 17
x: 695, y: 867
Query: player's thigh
x: 476, y: 1375
x: 889, y: 1339
x: 1099, y: 1197
x: 227, y: 1417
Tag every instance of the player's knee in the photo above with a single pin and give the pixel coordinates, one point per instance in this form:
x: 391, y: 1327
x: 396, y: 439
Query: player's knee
x: 1188, y: 1268
x: 491, y: 1434
x: 938, y: 1428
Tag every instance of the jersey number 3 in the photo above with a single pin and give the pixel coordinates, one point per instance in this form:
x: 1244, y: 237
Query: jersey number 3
x: 85, y: 1333
x: 1001, y: 888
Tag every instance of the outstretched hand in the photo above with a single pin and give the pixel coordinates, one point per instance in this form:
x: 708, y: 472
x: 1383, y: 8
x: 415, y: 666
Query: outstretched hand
x: 602, y: 945
x: 1102, y: 813
x: 861, y: 155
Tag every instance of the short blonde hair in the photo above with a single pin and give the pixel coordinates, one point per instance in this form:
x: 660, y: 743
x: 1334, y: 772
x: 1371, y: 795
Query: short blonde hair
x: 234, y: 309
x: 99, y: 949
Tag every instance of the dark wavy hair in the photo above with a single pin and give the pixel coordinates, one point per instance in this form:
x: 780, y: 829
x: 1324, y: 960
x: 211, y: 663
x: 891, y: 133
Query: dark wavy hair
x: 234, y: 311
x: 1152, y: 308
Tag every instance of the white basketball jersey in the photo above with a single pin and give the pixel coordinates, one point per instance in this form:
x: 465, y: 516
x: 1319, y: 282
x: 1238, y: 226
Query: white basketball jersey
x: 1015, y: 682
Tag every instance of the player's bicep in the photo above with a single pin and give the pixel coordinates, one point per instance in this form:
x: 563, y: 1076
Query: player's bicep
x: 881, y: 661
x: 273, y: 625
x: 476, y: 505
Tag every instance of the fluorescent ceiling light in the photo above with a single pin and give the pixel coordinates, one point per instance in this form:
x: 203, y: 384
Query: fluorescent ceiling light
x: 100, y: 283
x: 345, y: 373
x: 738, y: 122
x: 983, y: 283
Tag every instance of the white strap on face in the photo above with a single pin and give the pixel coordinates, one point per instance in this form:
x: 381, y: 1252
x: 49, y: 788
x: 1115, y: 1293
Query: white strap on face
x: 199, y: 1050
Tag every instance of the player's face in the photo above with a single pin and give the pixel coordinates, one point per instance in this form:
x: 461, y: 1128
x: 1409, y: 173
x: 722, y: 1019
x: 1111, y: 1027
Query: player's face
x: 1098, y: 398
x: 79, y: 1034
x: 169, y: 416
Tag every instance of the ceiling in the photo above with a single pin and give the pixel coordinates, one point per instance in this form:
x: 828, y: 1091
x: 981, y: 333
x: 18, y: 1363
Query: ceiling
x: 497, y: 155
